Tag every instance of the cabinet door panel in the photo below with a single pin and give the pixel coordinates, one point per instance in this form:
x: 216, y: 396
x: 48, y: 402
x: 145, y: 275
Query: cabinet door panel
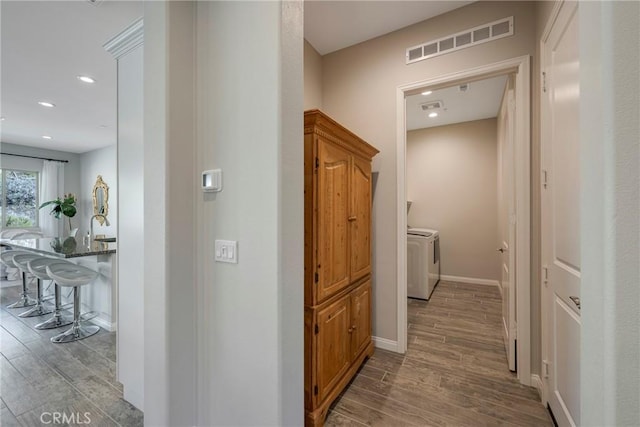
x: 333, y: 209
x: 333, y: 351
x: 360, y: 318
x: 360, y: 218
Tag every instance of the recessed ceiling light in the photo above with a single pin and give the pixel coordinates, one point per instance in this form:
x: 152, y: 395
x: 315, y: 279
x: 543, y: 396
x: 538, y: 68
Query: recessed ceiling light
x: 434, y: 114
x: 104, y: 126
x: 1, y: 119
x: 86, y: 79
x: 46, y: 104
x: 429, y: 92
x: 46, y: 137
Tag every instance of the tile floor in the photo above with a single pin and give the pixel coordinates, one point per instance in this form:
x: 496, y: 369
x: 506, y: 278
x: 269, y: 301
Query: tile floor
x: 454, y: 372
x: 39, y: 378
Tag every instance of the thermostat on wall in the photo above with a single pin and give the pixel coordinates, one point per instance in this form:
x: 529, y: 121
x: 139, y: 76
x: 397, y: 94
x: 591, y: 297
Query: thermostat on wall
x: 212, y: 181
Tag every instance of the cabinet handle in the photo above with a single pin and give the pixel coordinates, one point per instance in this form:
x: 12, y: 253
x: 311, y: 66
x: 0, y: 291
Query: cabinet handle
x: 351, y: 329
x: 353, y: 218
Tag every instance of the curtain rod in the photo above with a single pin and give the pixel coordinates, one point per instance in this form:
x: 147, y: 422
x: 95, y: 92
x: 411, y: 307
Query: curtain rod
x: 35, y: 157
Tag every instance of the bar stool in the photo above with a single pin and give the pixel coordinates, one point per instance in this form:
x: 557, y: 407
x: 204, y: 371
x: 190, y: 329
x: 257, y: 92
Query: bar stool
x: 38, y: 267
x: 73, y: 275
x: 21, y: 262
x: 6, y: 258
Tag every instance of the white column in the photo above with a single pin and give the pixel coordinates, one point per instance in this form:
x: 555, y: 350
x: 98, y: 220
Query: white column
x: 127, y: 48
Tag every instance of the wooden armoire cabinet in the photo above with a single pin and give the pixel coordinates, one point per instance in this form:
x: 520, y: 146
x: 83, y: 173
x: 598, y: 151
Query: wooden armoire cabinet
x: 337, y: 268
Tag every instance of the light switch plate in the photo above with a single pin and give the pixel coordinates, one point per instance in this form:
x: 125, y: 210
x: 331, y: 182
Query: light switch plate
x: 226, y: 251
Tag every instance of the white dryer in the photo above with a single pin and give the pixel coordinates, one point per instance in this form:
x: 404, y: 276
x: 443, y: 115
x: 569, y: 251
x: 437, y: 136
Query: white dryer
x: 423, y: 262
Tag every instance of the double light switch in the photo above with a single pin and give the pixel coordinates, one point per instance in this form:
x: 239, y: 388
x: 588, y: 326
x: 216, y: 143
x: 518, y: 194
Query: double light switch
x: 227, y: 251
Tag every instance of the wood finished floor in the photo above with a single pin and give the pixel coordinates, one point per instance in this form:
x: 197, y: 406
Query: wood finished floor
x: 37, y: 376
x: 454, y: 372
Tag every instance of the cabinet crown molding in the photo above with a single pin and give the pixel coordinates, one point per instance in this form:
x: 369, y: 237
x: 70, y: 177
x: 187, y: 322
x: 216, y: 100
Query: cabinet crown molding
x: 318, y: 122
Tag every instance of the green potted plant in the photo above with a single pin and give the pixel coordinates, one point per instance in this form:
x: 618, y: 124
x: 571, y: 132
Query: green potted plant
x: 63, y: 206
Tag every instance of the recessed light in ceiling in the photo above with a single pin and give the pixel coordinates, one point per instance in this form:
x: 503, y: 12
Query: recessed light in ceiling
x: 86, y: 79
x: 103, y: 126
x: 1, y: 119
x: 434, y: 114
x: 46, y: 104
x: 46, y: 137
x: 429, y: 92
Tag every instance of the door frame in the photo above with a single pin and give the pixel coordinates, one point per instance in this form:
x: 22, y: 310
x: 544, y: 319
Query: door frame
x: 520, y: 67
x: 545, y: 308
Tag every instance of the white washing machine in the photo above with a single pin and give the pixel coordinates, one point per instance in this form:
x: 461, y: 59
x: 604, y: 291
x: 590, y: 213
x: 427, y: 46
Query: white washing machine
x: 423, y: 262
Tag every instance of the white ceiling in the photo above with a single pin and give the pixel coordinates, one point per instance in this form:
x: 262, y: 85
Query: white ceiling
x: 481, y: 101
x: 45, y: 46
x: 331, y: 25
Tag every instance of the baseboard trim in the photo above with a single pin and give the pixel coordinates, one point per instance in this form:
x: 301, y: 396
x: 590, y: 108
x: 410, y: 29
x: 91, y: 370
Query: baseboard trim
x: 385, y: 344
x: 472, y: 280
x: 104, y: 324
x: 536, y: 382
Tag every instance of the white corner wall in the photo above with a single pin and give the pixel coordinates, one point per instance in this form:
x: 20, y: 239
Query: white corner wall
x: 130, y: 231
x: 451, y: 182
x: 103, y: 161
x: 312, y: 78
x: 610, y: 202
x: 251, y: 313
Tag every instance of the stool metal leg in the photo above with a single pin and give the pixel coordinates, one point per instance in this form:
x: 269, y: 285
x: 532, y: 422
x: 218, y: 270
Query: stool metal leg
x: 58, y: 319
x: 40, y: 308
x: 25, y: 300
x: 78, y: 331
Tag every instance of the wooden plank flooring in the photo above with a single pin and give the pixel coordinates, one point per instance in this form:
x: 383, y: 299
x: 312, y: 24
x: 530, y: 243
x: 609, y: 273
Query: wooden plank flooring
x: 38, y: 377
x: 454, y: 372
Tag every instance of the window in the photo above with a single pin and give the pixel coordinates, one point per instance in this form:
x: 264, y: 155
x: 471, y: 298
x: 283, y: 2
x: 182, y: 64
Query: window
x: 19, y: 194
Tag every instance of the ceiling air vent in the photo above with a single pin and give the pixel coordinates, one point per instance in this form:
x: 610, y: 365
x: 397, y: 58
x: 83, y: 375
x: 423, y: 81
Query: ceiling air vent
x: 467, y: 38
x: 432, y: 105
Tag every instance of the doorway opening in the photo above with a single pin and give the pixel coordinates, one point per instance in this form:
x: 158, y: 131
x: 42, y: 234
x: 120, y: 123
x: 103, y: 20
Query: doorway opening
x: 518, y: 68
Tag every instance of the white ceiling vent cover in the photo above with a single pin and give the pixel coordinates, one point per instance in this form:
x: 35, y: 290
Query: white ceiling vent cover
x: 471, y: 37
x: 433, y: 105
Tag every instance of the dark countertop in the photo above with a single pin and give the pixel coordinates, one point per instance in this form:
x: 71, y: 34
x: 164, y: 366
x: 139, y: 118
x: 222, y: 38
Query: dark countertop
x: 63, y: 248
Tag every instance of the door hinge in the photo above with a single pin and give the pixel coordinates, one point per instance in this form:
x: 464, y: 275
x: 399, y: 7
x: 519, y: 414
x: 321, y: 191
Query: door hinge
x: 316, y: 330
x: 315, y: 390
x: 545, y: 179
x: 317, y: 163
x: 315, y: 277
x: 544, y: 82
x: 545, y: 274
x: 545, y: 368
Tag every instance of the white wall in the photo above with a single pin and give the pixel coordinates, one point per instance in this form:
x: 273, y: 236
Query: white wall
x: 610, y: 202
x: 103, y: 161
x: 359, y: 89
x: 451, y: 180
x: 252, y: 311
x: 312, y: 78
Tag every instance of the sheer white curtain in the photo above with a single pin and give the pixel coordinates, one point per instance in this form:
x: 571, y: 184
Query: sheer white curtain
x: 51, y: 186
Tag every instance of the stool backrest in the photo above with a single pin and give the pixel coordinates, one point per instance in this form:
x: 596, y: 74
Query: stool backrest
x: 38, y: 266
x: 10, y: 232
x: 7, y: 257
x: 27, y: 235
x: 20, y: 260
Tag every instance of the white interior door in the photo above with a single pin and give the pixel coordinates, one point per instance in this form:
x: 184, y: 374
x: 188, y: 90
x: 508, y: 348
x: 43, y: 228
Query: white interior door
x: 561, y: 216
x: 506, y: 191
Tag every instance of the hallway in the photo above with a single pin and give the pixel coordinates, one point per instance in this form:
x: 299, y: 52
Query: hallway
x: 454, y: 372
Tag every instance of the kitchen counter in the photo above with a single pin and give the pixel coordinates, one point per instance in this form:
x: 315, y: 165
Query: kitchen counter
x: 101, y: 295
x: 64, y: 248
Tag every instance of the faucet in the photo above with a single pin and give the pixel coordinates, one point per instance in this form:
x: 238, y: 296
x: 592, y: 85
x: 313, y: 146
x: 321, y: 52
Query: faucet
x: 106, y: 221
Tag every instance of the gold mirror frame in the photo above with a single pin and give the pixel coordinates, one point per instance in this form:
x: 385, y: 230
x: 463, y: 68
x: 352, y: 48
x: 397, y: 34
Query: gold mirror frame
x: 100, y: 189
